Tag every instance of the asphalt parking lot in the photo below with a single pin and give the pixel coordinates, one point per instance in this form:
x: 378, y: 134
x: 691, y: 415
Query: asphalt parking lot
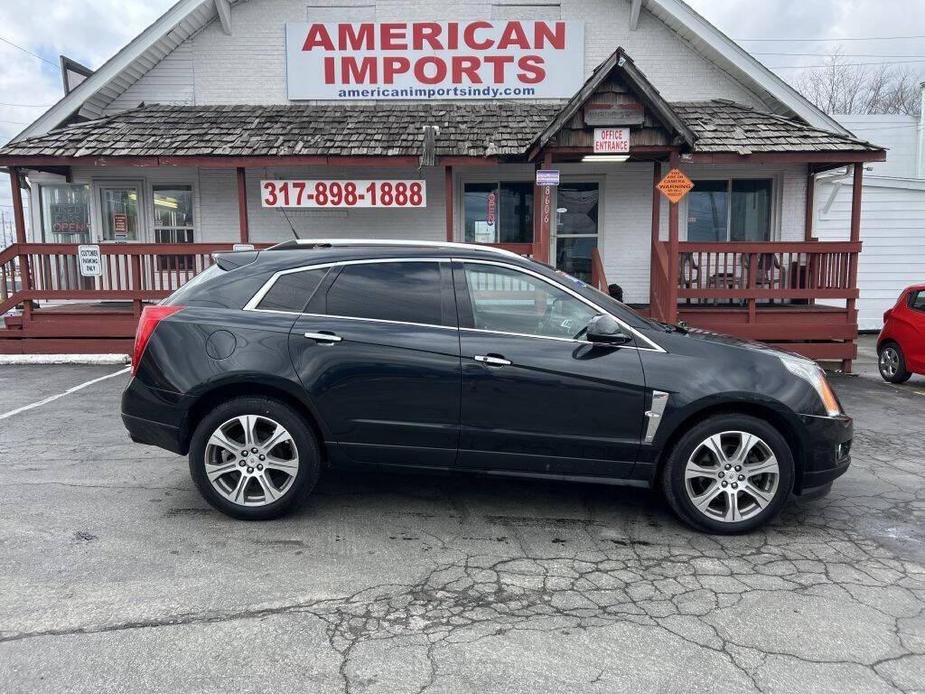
x: 115, y: 576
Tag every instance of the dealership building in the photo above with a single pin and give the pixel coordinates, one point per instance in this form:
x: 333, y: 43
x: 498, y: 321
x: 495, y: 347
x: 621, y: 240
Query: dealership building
x: 544, y: 128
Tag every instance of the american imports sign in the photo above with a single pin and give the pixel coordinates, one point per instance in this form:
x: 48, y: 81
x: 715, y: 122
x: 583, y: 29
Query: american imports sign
x: 434, y: 60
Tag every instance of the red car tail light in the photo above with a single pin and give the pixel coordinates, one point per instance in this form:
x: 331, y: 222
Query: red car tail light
x: 887, y: 314
x: 150, y: 317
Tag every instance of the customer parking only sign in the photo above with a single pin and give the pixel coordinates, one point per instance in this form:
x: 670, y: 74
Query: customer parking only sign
x: 479, y: 59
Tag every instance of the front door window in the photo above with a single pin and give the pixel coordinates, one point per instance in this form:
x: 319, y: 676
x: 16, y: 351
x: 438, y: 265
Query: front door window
x: 577, y: 228
x: 119, y: 205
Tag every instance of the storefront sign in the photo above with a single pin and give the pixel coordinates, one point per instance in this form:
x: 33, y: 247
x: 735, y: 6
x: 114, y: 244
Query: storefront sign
x: 611, y: 140
x: 69, y: 218
x: 547, y: 177
x: 675, y: 185
x: 614, y: 114
x: 343, y: 193
x: 485, y: 230
x: 88, y: 257
x: 426, y: 60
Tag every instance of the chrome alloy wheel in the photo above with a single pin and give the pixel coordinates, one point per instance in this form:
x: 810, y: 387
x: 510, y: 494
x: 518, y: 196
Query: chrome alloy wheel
x: 731, y: 476
x: 889, y: 362
x: 251, y: 460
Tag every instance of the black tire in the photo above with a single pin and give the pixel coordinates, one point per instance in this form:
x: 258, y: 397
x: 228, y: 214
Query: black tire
x: 891, y: 363
x: 293, y: 491
x: 675, y: 488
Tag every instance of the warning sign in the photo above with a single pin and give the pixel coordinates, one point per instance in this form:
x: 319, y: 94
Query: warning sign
x: 675, y: 185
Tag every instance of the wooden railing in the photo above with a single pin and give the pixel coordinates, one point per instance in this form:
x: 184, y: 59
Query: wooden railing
x: 744, y: 274
x: 131, y: 272
x: 598, y: 277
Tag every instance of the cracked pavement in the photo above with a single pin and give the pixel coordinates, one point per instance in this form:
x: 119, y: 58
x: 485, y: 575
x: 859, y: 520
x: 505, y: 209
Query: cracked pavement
x: 115, y: 576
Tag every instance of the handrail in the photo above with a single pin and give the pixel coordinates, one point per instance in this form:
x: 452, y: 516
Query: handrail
x: 598, y: 276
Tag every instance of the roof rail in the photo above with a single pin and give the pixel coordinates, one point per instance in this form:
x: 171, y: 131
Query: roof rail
x: 329, y: 243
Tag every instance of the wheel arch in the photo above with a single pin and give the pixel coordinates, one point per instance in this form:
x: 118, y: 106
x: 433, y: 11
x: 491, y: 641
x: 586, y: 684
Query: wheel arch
x: 251, y: 386
x: 768, y: 410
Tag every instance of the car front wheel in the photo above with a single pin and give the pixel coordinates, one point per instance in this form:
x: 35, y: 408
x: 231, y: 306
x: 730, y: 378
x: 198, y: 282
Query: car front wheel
x: 254, y: 458
x: 729, y: 474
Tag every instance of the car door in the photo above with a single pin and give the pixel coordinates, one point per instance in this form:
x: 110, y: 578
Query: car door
x: 914, y: 346
x: 378, y: 352
x: 535, y: 397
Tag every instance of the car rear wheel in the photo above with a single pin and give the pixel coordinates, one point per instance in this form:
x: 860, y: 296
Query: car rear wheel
x: 892, y: 364
x: 729, y: 474
x: 254, y: 458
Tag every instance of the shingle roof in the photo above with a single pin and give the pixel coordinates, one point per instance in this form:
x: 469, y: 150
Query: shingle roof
x: 726, y: 126
x: 327, y: 130
x: 393, y: 129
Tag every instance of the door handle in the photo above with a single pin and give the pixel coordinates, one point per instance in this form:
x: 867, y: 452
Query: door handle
x: 324, y: 338
x: 492, y: 360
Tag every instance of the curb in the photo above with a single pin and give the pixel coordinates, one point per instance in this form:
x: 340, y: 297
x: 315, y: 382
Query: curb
x: 49, y: 359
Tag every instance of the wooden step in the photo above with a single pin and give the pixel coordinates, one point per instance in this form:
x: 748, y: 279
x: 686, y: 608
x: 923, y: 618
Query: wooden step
x: 66, y: 346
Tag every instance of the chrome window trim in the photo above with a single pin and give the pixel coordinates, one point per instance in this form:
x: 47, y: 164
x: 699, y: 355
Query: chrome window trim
x: 653, y: 346
x: 258, y: 297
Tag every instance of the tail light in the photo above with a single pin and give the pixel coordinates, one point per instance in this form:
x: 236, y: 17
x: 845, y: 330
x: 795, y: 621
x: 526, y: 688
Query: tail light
x: 887, y: 314
x: 150, y: 317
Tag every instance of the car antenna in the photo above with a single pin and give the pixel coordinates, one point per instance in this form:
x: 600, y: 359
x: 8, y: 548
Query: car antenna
x: 291, y: 225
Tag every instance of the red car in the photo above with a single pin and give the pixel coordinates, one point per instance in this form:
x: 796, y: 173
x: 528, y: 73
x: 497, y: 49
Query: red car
x: 901, y: 345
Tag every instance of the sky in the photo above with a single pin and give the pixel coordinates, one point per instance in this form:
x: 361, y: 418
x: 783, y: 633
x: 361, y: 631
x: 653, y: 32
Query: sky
x: 91, y: 31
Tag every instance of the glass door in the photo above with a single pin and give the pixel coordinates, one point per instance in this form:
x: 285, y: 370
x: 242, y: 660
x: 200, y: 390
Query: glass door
x: 119, y: 210
x: 576, y: 233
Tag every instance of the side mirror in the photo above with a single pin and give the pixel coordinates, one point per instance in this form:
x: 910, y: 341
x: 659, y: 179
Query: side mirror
x: 604, y: 329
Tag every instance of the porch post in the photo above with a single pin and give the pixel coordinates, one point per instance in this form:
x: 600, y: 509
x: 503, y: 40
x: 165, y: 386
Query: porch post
x: 542, y: 213
x: 671, y: 316
x: 20, y: 221
x: 448, y: 200
x: 857, y: 188
x: 810, y: 204
x: 242, y: 205
x: 656, y: 220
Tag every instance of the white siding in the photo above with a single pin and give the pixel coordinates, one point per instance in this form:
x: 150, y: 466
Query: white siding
x: 893, y: 233
x: 899, y: 134
x: 249, y: 66
x: 171, y: 81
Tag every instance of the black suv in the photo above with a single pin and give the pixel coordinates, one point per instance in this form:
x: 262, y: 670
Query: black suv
x: 271, y: 364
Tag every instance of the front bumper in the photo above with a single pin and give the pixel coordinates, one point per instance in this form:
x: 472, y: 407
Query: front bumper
x: 156, y: 417
x: 827, y: 447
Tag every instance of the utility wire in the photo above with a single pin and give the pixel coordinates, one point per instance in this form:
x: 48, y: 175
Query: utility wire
x: 849, y: 38
x: 34, y: 55
x: 840, y: 55
x: 804, y: 67
x: 3, y: 103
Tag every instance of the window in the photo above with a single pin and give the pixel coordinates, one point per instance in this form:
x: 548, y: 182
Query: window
x: 505, y: 300
x: 119, y: 211
x: 291, y: 292
x: 499, y: 212
x: 917, y: 301
x: 730, y: 210
x: 409, y: 292
x: 65, y: 213
x: 173, y: 223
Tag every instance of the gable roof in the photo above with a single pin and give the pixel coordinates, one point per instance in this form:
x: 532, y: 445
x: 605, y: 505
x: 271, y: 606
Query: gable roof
x: 188, y: 17
x: 633, y: 78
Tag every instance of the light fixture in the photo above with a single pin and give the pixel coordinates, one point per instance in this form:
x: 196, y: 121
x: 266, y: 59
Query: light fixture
x: 605, y: 157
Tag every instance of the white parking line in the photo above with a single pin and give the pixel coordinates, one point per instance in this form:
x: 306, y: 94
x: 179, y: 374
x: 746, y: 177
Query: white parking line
x: 52, y: 398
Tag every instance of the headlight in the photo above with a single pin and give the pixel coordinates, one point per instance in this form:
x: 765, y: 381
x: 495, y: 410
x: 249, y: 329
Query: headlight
x: 813, y: 374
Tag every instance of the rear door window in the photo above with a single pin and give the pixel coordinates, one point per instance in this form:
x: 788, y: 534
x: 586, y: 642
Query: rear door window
x: 291, y: 292
x: 917, y: 301
x: 408, y: 292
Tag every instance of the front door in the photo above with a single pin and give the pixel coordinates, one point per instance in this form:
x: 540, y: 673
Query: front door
x: 536, y: 397
x: 576, y: 231
x: 378, y: 353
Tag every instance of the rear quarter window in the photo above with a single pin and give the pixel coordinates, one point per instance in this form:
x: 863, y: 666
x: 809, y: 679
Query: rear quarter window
x: 917, y: 301
x: 291, y: 292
